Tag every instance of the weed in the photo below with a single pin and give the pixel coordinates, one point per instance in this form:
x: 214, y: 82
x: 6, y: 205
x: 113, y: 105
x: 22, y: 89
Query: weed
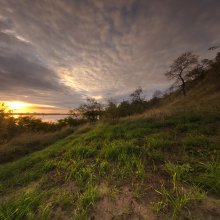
x: 86, y: 201
x: 158, y: 206
x: 176, y: 171
x: 113, y: 193
x: 178, y: 199
x: 88, y: 198
x: 103, y: 167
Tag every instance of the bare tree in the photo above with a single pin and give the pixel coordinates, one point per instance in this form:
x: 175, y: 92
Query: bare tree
x: 181, y: 68
x: 136, y: 96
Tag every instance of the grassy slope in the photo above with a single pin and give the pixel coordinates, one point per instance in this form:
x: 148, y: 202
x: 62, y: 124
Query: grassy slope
x: 155, y: 167
x: 26, y: 143
x: 202, y: 95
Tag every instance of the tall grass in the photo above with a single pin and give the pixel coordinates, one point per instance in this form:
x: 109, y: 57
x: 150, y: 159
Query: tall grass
x: 27, y: 143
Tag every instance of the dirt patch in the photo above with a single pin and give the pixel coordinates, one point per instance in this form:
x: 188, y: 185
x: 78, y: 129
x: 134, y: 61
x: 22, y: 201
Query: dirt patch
x: 124, y: 206
x: 208, y: 209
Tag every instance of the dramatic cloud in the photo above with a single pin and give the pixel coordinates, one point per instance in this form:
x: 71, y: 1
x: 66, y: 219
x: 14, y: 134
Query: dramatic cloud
x: 57, y: 52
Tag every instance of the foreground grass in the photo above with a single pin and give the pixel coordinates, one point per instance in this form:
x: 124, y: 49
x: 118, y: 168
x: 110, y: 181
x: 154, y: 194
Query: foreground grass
x: 172, y: 160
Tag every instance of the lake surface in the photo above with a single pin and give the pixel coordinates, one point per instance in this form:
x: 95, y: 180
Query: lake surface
x: 51, y: 118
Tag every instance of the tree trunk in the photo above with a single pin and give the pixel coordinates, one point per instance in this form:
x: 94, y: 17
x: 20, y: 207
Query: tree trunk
x: 183, y: 85
x: 184, y: 88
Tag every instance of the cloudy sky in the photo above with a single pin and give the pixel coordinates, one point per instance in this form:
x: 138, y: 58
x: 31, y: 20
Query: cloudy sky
x: 57, y: 52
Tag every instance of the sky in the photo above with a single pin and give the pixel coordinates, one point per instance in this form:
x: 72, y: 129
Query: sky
x: 55, y: 53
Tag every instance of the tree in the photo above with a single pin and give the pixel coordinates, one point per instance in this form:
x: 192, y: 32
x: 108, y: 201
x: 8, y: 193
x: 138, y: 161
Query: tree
x: 124, y: 109
x: 181, y: 68
x: 111, y: 111
x: 91, y: 110
x: 136, y: 95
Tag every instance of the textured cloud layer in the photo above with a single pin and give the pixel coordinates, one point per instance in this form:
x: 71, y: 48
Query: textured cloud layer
x: 57, y: 52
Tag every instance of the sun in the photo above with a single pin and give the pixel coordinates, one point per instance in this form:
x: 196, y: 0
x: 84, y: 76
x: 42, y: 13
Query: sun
x: 17, y: 105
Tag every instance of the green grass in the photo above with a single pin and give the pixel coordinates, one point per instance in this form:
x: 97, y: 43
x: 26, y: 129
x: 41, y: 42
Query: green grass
x: 207, y: 175
x: 26, y: 206
x: 162, y: 141
x: 139, y: 153
x: 177, y: 199
x: 177, y: 172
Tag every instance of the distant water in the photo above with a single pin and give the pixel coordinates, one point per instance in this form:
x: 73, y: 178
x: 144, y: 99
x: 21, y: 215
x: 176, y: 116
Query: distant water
x: 51, y: 118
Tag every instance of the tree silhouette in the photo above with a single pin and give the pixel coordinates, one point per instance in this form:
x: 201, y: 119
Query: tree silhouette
x: 91, y: 110
x: 181, y: 68
x: 136, y: 95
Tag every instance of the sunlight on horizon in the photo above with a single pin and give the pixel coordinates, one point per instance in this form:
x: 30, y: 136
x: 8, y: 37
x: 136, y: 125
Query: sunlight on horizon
x: 18, y: 105
x: 23, y: 107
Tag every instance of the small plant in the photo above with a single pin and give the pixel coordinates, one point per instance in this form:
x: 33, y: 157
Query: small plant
x: 176, y: 172
x: 140, y: 190
x: 113, y: 193
x: 86, y: 201
x: 178, y: 199
x: 158, y: 206
x: 103, y: 167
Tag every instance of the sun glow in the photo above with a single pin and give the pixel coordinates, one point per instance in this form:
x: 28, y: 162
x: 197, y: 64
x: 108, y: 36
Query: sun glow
x: 17, y: 105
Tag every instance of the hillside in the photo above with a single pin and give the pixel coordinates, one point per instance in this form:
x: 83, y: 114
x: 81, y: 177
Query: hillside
x: 161, y: 167
x: 203, y: 94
